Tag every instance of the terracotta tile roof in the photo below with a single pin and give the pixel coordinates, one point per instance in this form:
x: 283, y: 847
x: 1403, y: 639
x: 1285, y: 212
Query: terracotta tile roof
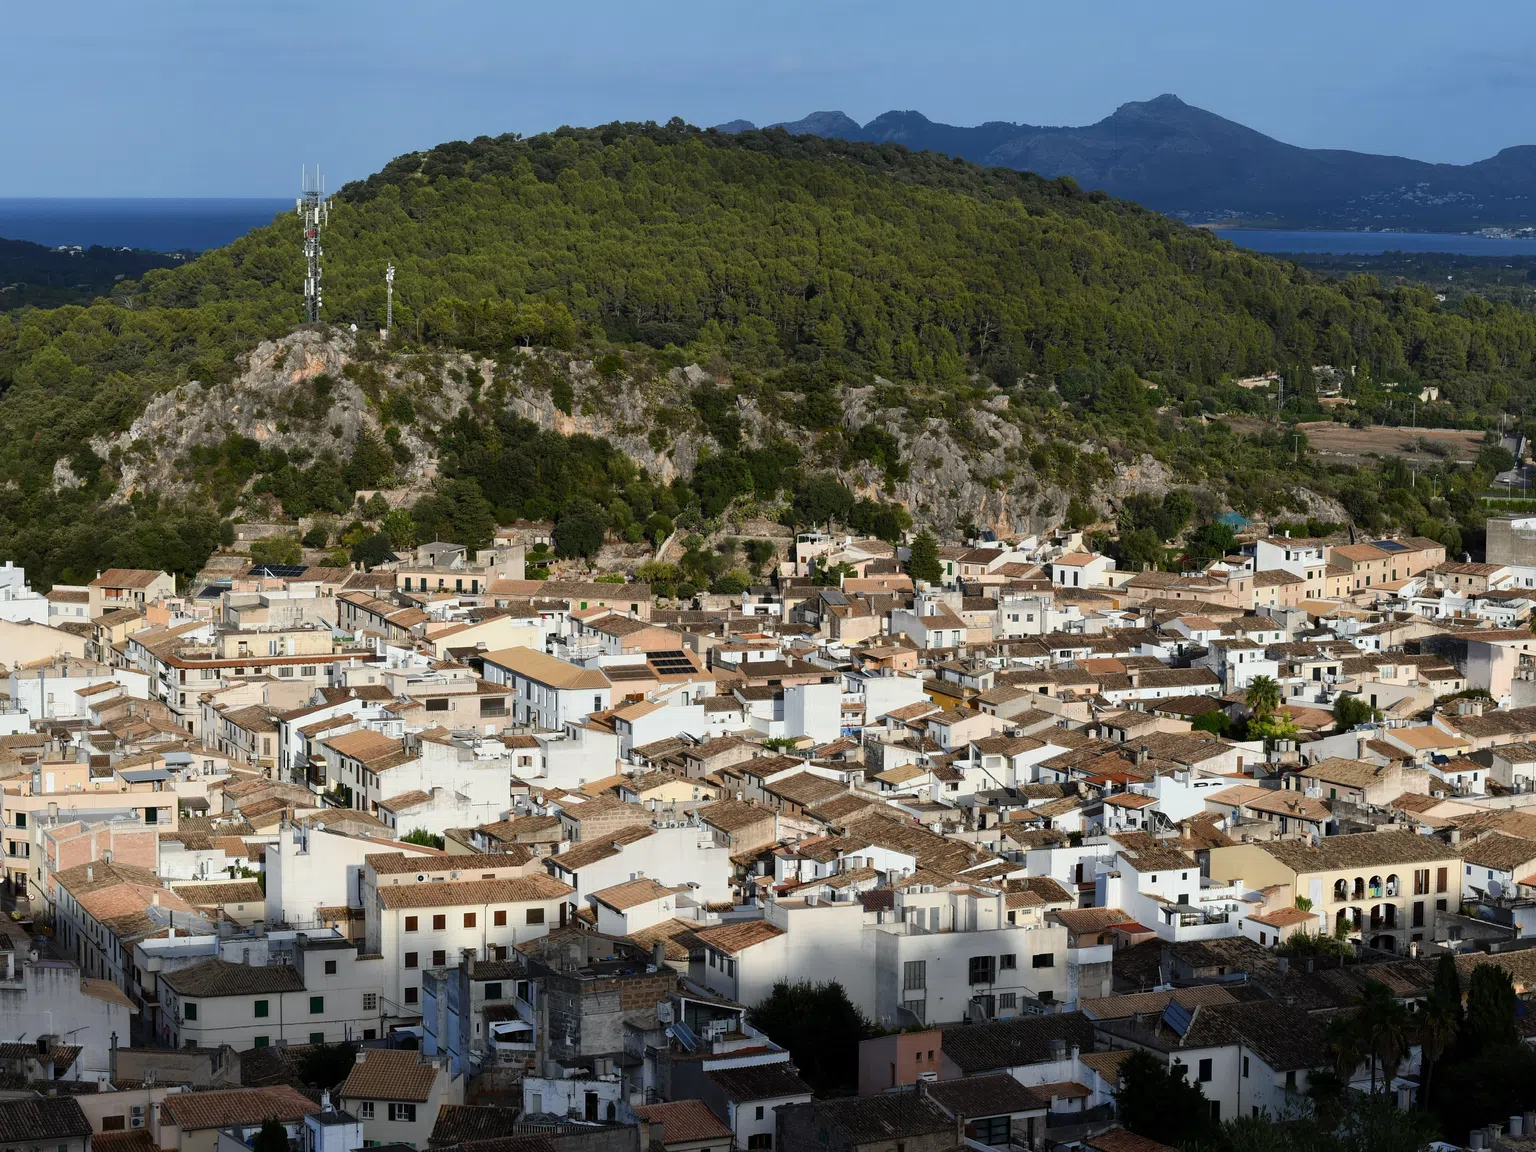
x: 460, y: 1123
x: 546, y: 669
x: 46, y: 1120
x: 1145, y: 1003
x: 1121, y: 1139
x: 1499, y: 852
x: 1358, y: 849
x: 759, y: 1082
x: 455, y: 892
x: 591, y: 851
x: 1006, y: 1043
x: 195, y: 1111
x: 973, y: 1097
x: 679, y: 937
x: 233, y: 892
x: 737, y: 937
x: 108, y: 891
x: 631, y: 893
x: 386, y: 1074
x: 221, y: 978
x: 733, y: 815
x: 684, y: 1121
x: 133, y: 1140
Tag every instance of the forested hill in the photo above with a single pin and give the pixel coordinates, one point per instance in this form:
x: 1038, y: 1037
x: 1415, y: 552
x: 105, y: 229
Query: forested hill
x: 851, y: 305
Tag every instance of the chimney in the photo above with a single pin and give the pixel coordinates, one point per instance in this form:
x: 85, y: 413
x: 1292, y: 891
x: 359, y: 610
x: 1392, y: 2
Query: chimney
x: 155, y: 898
x: 90, y: 873
x: 659, y: 955
x: 469, y: 963
x: 362, y: 1054
x: 325, y: 1099
x: 1455, y: 837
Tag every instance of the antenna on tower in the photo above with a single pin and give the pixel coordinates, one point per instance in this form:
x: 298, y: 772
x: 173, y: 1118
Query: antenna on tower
x: 315, y: 210
x: 389, y: 298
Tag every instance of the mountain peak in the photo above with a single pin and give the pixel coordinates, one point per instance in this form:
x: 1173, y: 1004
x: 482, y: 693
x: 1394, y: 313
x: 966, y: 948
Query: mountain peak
x: 820, y: 124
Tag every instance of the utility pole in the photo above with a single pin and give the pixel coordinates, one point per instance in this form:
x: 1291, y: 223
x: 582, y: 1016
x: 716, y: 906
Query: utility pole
x: 389, y: 299
x: 313, y: 208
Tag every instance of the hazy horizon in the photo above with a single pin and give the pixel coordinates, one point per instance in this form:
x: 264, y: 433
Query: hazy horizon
x: 185, y: 99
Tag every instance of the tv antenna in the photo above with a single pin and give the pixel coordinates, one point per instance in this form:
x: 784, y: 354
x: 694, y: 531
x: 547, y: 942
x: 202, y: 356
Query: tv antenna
x: 389, y: 298
x: 314, y: 209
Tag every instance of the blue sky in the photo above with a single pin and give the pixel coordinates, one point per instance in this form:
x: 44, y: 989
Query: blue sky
x: 215, y: 98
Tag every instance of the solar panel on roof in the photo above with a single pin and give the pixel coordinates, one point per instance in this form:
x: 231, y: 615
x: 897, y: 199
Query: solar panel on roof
x: 278, y: 571
x: 1390, y: 546
x: 1177, y: 1017
x: 684, y: 1035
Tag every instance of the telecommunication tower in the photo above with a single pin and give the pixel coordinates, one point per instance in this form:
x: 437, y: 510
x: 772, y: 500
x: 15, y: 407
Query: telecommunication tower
x: 314, y: 210
x: 389, y: 298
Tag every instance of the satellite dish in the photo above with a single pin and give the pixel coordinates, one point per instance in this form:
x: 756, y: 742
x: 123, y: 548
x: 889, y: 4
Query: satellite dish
x: 1495, y: 889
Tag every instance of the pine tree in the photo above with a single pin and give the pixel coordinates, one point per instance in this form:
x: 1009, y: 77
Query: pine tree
x: 924, y: 562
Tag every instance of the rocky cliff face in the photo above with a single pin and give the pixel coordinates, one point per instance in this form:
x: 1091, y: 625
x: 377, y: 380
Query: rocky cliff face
x: 972, y: 469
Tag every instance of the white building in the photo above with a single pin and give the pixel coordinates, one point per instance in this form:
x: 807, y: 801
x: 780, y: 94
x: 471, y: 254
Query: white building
x: 328, y: 995
x: 432, y: 923
x: 310, y: 867
x: 548, y: 693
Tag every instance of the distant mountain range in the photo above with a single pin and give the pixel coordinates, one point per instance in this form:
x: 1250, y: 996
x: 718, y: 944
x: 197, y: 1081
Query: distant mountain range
x: 1202, y: 168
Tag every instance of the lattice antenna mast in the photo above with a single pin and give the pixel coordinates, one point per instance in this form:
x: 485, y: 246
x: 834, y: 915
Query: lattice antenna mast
x: 389, y: 299
x: 314, y: 209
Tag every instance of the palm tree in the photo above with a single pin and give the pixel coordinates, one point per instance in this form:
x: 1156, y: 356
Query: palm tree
x: 1435, y: 1025
x: 1345, y: 1046
x: 1384, y: 1029
x: 1263, y: 696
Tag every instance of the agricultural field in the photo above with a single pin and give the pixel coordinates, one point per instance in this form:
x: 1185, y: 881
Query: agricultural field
x: 1417, y: 446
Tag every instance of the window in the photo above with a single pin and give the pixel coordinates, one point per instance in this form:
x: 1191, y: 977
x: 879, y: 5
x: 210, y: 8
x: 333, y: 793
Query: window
x: 439, y: 922
x: 439, y: 958
x: 918, y: 1008
x: 370, y: 1001
x: 499, y: 918
x: 983, y: 969
x: 1008, y: 1000
x: 535, y: 915
x: 403, y: 1113
x: 1290, y: 1081
x: 1215, y: 1104
x: 1418, y: 913
x: 330, y: 967
x: 992, y: 1131
x: 189, y: 1011
x: 1442, y: 879
x: 412, y: 995
x: 1008, y: 960
x: 759, y: 1112
x: 412, y: 959
x: 761, y: 1142
x: 1044, y: 960
x: 261, y: 1008
x: 317, y: 1037
x: 914, y: 974
x: 411, y: 923
x: 1205, y: 1071
x: 469, y: 919
x: 316, y: 1005
x: 261, y: 1041
x: 365, y: 1110
x: 1245, y: 1067
x: 493, y: 991
x: 1421, y: 882
x: 437, y: 704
